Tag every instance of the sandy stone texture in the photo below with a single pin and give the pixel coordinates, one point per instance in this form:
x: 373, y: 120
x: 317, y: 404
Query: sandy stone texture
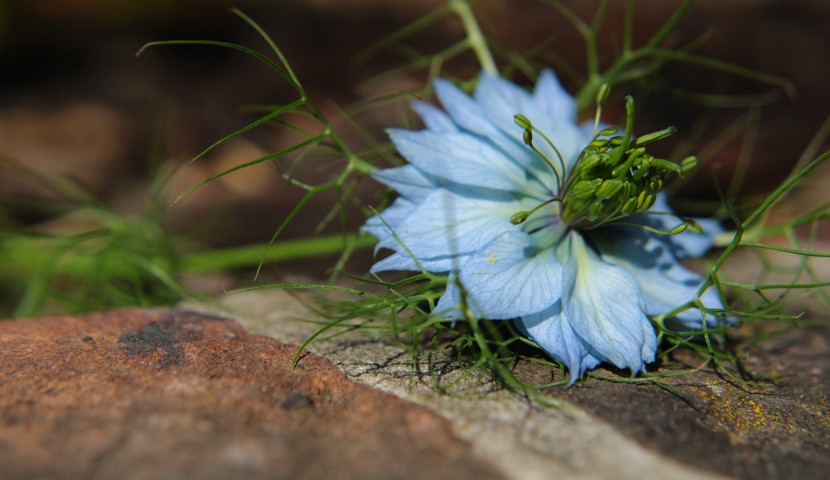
x: 776, y: 426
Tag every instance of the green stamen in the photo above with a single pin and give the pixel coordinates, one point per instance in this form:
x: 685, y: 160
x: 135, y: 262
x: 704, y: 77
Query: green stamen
x: 527, y: 137
x: 520, y: 217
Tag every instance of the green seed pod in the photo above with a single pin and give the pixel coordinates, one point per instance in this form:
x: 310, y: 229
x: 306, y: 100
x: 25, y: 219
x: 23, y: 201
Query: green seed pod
x: 654, y: 136
x: 596, y: 211
x: 518, y: 218
x: 589, y: 161
x: 679, y: 229
x: 609, y: 188
x: 585, y: 188
x: 688, y: 163
x: 522, y: 121
x: 629, y: 206
x: 655, y: 185
x: 602, y: 93
x: 615, y: 176
x: 693, y: 225
x: 628, y: 189
x: 527, y: 136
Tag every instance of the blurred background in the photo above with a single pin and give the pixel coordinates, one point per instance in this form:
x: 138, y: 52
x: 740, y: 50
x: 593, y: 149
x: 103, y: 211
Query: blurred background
x: 85, y: 123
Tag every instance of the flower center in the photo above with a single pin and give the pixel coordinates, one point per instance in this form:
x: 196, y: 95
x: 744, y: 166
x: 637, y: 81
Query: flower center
x: 613, y: 177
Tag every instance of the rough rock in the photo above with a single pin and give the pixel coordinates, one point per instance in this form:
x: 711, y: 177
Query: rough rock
x: 173, y: 393
x: 137, y: 394
x: 775, y: 427
x: 526, y: 440
x: 708, y: 424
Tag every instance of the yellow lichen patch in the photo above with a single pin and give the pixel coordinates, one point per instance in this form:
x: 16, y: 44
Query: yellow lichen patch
x: 742, y: 415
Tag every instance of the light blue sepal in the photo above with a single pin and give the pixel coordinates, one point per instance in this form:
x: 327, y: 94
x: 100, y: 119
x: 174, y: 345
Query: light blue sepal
x: 553, y: 98
x: 687, y: 244
x: 383, y: 224
x: 459, y: 158
x: 553, y: 333
x: 434, y: 118
x: 468, y: 115
x: 402, y: 261
x: 501, y: 100
x: 509, y: 277
x: 605, y: 309
x: 665, y: 283
x: 446, y: 223
x: 449, y: 305
x: 407, y: 180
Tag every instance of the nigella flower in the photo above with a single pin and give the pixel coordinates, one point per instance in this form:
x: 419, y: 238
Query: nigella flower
x: 542, y: 221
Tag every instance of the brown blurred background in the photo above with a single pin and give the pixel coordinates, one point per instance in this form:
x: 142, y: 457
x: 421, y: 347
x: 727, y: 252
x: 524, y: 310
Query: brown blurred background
x: 76, y: 102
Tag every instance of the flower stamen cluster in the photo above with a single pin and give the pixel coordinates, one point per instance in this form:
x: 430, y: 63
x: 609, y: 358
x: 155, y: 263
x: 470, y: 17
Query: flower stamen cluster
x: 613, y: 177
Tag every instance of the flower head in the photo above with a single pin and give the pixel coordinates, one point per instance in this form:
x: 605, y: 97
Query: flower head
x: 542, y: 221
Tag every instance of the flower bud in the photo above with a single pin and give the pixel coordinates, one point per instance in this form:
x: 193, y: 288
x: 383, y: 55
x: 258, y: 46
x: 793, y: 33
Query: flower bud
x: 527, y: 136
x: 518, y: 218
x: 609, y: 188
x: 522, y: 121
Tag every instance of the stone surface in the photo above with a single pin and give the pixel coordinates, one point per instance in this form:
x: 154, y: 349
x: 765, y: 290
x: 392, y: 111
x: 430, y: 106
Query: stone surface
x: 137, y: 394
x: 527, y: 441
x: 712, y: 425
x: 777, y: 429
x: 174, y: 393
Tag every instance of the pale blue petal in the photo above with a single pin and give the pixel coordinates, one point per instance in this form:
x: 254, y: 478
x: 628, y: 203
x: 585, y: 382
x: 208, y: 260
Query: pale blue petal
x: 449, y: 223
x: 463, y: 110
x: 605, y: 309
x: 684, y: 245
x: 510, y: 277
x: 469, y: 116
x: 449, y: 303
x: 551, y: 331
x: 382, y: 225
x: 553, y: 98
x: 690, y: 244
x: 396, y: 261
x: 459, y: 158
x: 434, y: 119
x: 501, y: 100
x: 407, y: 181
x: 402, y: 261
x: 665, y: 283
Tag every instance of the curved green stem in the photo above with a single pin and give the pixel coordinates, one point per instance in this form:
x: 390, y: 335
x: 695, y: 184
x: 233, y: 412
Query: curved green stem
x: 474, y: 36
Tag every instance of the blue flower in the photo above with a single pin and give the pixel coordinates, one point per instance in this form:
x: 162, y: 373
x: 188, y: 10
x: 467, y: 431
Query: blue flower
x: 527, y: 231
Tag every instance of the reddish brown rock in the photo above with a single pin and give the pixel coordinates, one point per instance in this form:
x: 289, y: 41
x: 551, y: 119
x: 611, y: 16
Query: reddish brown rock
x: 174, y: 394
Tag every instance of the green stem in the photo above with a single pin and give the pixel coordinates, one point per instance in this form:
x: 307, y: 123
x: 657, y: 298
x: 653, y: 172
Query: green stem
x: 252, y: 255
x: 474, y: 36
